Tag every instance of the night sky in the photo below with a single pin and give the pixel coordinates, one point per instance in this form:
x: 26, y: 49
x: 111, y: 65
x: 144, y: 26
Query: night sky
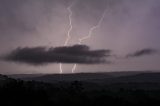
x: 127, y: 38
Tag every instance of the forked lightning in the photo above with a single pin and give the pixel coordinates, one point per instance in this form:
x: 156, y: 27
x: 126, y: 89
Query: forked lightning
x: 90, y: 34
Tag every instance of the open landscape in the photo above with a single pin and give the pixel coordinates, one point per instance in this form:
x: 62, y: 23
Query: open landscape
x: 114, y: 88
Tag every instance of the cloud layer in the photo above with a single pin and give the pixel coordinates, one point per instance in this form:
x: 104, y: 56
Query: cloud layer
x: 68, y: 54
x: 142, y: 52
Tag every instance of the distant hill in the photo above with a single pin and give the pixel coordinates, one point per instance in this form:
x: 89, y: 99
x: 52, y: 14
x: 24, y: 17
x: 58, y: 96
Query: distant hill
x: 98, y: 74
x: 16, y: 76
x: 52, y: 78
x: 142, y: 77
x: 111, y: 77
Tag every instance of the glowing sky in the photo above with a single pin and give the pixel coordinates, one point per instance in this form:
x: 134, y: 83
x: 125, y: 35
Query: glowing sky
x: 128, y: 26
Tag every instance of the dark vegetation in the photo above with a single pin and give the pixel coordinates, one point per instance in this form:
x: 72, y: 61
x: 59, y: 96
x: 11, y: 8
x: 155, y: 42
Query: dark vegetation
x: 118, y: 91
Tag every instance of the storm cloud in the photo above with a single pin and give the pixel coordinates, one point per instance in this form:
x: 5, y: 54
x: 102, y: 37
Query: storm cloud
x: 67, y: 54
x: 128, y: 26
x: 143, y: 52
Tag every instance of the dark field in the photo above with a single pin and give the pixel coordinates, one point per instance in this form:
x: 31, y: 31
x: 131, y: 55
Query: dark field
x: 96, y: 89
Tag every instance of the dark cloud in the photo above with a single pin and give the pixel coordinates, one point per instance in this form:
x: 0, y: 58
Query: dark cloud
x: 68, y: 54
x: 142, y: 52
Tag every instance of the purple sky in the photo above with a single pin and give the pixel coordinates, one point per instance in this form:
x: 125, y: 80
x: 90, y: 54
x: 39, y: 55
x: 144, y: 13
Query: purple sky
x: 128, y: 26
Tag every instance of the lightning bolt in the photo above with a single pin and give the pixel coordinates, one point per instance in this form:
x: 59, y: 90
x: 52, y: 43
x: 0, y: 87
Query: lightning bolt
x: 90, y: 34
x: 69, y: 31
x: 93, y: 28
x: 70, y: 24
